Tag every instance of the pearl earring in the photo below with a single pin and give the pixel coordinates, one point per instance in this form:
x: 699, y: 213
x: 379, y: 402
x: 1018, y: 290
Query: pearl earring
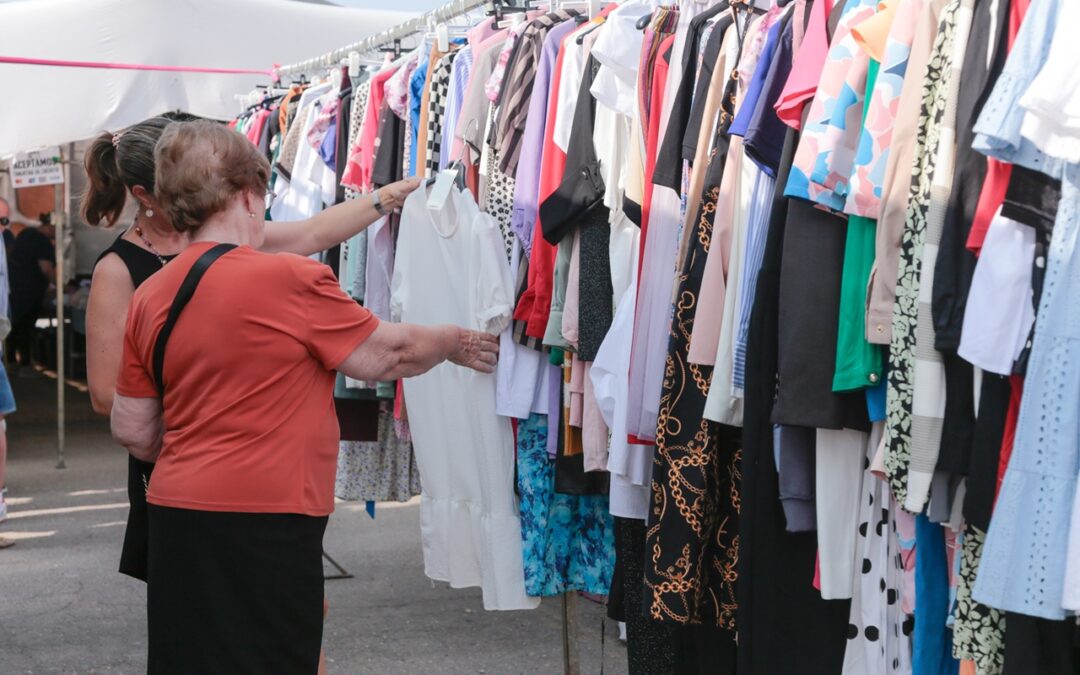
x: 251, y: 214
x: 149, y: 213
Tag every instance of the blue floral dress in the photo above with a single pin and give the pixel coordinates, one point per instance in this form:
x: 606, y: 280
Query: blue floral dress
x: 568, y: 541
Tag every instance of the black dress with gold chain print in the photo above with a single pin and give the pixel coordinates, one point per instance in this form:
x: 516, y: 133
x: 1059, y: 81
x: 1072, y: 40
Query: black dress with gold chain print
x: 692, y: 538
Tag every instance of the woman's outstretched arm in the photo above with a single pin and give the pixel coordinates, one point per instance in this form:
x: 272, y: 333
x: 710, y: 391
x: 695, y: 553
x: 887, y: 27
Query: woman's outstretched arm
x: 397, y: 350
x: 336, y: 224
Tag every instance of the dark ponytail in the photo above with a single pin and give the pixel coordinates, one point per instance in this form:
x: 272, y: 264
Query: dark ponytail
x: 116, y: 163
x: 105, y: 197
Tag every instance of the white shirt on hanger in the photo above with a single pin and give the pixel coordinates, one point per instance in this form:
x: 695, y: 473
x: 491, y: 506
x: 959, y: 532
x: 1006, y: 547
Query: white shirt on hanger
x: 618, y: 49
x: 630, y: 465
x: 573, y: 70
x: 999, y: 311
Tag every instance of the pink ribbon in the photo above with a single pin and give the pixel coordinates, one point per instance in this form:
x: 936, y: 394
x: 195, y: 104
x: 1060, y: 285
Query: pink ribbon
x: 23, y: 61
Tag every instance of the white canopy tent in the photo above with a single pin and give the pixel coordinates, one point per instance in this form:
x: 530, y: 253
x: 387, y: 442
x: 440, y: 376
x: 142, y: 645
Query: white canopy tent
x: 50, y: 105
x: 54, y: 105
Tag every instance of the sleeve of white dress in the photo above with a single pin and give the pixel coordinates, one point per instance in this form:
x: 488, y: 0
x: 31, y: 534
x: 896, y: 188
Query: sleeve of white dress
x: 397, y: 292
x: 494, y: 300
x: 399, y: 284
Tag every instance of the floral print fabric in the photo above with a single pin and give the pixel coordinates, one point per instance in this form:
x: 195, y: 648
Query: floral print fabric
x: 978, y: 630
x: 928, y: 394
x: 320, y: 126
x: 378, y: 471
x: 900, y: 392
x: 397, y: 87
x: 568, y: 541
x: 493, y: 86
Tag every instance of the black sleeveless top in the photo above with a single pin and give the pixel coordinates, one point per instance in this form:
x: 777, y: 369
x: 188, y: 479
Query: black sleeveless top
x: 140, y: 263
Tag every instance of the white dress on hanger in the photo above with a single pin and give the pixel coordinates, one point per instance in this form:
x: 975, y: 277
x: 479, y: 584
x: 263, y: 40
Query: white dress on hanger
x: 630, y: 465
x: 451, y: 268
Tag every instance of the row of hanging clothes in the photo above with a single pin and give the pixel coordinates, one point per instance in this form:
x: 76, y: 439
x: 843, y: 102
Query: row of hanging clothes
x: 785, y: 299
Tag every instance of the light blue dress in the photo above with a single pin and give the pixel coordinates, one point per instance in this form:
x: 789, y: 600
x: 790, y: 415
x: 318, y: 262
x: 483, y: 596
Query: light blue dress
x: 1023, y: 562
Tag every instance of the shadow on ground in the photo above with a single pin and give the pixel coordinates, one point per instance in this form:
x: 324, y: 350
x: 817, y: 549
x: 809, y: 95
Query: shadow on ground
x: 64, y: 609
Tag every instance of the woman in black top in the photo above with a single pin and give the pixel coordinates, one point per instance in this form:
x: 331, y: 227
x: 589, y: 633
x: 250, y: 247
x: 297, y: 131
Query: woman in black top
x: 121, y: 164
x: 140, y: 263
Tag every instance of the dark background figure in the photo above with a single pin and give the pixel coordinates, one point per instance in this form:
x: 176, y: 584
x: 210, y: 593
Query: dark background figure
x: 5, y: 227
x: 33, y: 269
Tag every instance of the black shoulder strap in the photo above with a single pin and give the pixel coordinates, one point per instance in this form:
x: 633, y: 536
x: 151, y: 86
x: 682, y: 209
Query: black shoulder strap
x: 187, y: 289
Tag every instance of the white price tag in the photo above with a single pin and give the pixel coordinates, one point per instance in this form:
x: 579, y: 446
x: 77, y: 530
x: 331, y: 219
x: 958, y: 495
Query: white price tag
x: 441, y: 190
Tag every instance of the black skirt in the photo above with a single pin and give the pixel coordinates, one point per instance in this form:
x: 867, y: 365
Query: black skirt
x: 234, y: 592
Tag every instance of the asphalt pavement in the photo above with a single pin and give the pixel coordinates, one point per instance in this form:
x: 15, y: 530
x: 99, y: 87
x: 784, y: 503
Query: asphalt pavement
x: 65, y: 609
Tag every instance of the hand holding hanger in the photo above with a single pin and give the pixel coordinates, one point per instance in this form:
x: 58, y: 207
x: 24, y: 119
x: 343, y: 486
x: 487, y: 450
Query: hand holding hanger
x: 390, y: 198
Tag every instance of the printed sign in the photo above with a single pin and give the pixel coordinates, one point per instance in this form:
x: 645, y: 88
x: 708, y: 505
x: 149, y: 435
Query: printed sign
x: 40, y: 167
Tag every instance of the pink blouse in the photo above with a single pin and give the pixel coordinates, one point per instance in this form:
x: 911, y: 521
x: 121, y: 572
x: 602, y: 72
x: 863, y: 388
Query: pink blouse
x: 806, y: 69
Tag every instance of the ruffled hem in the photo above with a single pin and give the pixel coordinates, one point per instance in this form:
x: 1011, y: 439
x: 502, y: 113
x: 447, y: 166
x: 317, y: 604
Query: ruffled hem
x: 1023, y: 561
x: 466, y: 547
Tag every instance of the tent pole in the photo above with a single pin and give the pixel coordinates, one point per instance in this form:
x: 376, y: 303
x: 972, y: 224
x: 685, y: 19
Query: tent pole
x: 61, y: 224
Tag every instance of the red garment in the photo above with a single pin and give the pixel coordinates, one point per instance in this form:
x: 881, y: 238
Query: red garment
x: 802, y: 82
x: 399, y: 401
x: 361, y: 162
x: 652, y: 149
x: 990, y: 201
x: 652, y: 138
x: 255, y: 129
x: 1011, y: 417
x: 997, y: 172
x: 993, y: 195
x: 535, y: 305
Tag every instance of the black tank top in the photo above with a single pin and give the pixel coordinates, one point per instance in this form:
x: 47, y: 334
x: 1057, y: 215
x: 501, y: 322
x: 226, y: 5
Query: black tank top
x: 140, y: 263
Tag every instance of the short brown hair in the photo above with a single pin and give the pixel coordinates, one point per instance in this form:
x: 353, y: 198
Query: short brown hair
x: 200, y: 167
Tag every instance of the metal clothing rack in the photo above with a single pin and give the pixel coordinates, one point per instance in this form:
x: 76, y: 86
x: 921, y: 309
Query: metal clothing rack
x: 390, y: 41
x: 383, y: 39
x: 339, y: 571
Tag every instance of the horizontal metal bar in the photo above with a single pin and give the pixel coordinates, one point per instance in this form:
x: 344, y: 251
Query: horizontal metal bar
x: 387, y: 37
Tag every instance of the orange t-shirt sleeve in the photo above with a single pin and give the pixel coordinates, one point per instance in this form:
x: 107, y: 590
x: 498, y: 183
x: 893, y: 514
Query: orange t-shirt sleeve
x: 135, y: 380
x: 333, y: 323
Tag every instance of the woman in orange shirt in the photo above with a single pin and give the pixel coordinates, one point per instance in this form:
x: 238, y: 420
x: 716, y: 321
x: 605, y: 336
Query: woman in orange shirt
x: 120, y: 168
x: 244, y: 434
